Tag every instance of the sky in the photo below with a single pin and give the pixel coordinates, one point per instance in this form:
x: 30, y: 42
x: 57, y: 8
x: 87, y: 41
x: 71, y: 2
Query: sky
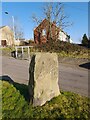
x: 23, y: 11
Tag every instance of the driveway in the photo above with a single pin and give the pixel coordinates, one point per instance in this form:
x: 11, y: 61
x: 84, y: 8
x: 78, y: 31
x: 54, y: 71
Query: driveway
x: 71, y: 77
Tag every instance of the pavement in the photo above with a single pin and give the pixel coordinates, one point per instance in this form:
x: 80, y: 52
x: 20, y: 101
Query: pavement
x: 71, y: 77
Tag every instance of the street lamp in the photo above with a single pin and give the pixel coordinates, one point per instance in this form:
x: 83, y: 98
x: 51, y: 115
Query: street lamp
x: 13, y: 24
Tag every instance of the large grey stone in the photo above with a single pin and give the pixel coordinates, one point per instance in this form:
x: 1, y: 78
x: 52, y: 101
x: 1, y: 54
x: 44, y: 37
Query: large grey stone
x: 43, y: 79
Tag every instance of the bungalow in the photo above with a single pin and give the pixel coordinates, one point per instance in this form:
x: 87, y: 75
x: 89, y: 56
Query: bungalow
x: 47, y: 30
x: 6, y: 36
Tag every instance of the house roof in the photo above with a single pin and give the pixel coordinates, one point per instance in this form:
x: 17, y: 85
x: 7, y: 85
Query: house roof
x: 2, y: 27
x: 6, y: 27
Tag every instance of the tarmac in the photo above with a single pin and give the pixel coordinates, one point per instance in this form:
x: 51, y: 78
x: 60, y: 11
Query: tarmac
x: 72, y: 77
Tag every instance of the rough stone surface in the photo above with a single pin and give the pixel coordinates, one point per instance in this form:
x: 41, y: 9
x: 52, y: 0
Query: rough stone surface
x: 43, y: 79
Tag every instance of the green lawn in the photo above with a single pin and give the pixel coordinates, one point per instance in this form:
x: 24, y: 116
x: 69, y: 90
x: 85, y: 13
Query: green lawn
x: 15, y: 104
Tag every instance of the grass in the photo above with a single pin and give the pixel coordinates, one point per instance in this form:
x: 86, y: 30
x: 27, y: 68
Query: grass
x: 63, y: 49
x: 68, y: 105
x: 75, y: 54
x: 13, y: 103
x: 6, y: 51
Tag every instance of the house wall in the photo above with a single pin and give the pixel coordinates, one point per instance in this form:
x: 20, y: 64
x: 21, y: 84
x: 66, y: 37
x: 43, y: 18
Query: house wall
x: 39, y: 37
x: 71, y: 41
x: 7, y: 34
x: 43, y: 37
x: 62, y: 36
x: 17, y: 42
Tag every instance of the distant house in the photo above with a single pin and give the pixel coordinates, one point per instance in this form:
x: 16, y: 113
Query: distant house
x: 6, y: 36
x: 19, y: 42
x: 47, y: 30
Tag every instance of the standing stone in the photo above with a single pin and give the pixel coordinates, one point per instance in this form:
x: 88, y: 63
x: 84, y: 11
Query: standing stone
x: 43, y: 79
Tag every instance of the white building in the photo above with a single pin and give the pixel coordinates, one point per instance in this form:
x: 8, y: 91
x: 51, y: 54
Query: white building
x: 6, y: 36
x: 64, y: 37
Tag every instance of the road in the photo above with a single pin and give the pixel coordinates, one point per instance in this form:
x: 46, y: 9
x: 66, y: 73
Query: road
x: 71, y: 77
x: 16, y: 69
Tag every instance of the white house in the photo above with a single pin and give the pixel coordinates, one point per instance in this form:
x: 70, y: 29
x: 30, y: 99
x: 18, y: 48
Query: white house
x: 6, y: 36
x: 64, y: 37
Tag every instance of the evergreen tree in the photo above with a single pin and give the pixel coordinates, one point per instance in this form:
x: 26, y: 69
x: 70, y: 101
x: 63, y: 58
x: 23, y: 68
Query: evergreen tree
x: 85, y: 40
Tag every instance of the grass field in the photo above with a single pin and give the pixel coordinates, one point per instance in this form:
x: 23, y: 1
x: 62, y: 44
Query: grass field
x: 68, y: 105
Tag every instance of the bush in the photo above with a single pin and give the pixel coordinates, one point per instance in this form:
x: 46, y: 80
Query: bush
x: 69, y: 49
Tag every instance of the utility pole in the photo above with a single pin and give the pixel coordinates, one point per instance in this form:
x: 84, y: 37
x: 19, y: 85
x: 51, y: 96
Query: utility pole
x: 13, y: 24
x: 13, y: 27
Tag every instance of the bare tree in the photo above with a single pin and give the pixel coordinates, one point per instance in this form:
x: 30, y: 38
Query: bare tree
x: 54, y: 11
x: 18, y: 31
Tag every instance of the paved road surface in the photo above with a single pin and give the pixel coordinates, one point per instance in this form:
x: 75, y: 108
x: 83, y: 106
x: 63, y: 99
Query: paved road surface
x: 72, y: 78
x: 17, y: 70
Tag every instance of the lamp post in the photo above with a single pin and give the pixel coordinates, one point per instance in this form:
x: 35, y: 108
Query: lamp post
x: 13, y: 24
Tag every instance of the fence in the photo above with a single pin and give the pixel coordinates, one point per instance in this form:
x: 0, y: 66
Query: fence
x: 21, y: 54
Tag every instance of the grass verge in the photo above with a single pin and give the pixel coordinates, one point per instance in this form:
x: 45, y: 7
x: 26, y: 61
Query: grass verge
x: 66, y: 106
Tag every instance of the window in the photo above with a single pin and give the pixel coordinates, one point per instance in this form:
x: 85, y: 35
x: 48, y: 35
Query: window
x: 3, y: 43
x: 43, y: 32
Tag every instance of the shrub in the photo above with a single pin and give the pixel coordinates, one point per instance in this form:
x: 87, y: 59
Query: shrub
x: 69, y: 49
